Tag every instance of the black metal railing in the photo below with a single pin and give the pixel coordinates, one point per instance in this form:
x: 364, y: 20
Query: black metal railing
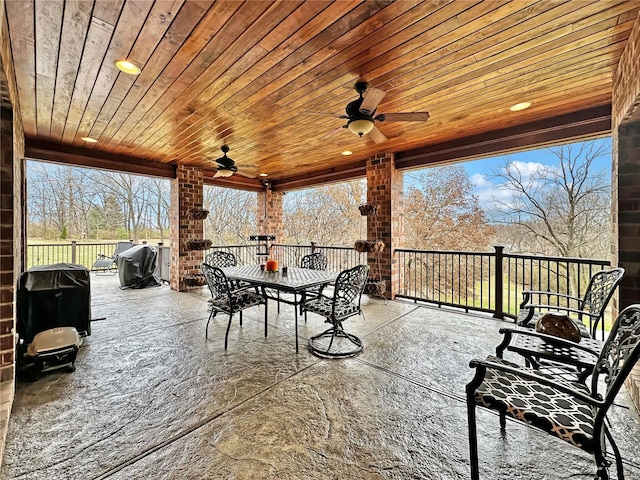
x: 73, y: 252
x: 488, y: 281
x: 473, y: 281
x: 245, y: 254
x: 338, y: 258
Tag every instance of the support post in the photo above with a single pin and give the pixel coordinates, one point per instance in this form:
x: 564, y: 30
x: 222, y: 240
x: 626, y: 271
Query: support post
x: 499, y: 286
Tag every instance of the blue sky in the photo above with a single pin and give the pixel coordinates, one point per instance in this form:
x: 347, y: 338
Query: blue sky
x: 479, y: 171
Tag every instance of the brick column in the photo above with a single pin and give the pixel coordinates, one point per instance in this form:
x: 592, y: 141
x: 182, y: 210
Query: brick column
x: 385, y: 190
x: 625, y: 181
x: 11, y: 232
x: 270, y: 215
x: 186, y: 193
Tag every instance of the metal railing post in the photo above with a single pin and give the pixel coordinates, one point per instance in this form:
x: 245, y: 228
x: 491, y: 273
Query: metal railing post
x: 313, y: 247
x: 73, y: 251
x: 498, y: 293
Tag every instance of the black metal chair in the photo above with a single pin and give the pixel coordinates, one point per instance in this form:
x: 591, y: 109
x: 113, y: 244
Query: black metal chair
x: 568, y: 410
x: 229, y: 301
x: 221, y: 259
x: 104, y: 264
x: 344, y: 303
x: 589, y: 308
x: 552, y: 353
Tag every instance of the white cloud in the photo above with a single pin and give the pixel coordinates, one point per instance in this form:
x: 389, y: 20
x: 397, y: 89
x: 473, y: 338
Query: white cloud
x: 526, y: 169
x: 480, y: 180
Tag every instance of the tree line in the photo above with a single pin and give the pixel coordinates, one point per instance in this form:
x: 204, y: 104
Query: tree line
x: 561, y: 210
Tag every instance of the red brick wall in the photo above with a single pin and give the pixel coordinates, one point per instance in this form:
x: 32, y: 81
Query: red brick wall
x: 11, y: 221
x: 270, y: 214
x: 186, y: 193
x: 385, y: 189
x: 625, y: 180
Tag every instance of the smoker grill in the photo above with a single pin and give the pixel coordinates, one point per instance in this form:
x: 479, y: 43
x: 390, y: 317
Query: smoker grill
x: 53, y: 297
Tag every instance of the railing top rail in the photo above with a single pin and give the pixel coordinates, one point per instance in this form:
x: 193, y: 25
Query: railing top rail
x: 244, y: 245
x: 446, y: 252
x: 333, y: 247
x: 588, y: 261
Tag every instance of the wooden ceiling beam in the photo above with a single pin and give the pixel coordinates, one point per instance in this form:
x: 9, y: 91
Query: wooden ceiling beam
x: 322, y: 177
x: 83, y: 157
x: 563, y: 128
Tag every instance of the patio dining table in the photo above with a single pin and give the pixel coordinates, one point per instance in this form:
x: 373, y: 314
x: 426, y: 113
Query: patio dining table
x: 296, y: 281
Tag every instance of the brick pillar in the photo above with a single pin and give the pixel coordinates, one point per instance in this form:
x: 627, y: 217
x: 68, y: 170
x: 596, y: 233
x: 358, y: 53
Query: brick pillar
x: 270, y: 215
x: 385, y: 190
x: 186, y: 193
x: 625, y: 181
x: 11, y: 233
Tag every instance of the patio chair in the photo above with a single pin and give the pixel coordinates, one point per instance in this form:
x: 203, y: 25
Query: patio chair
x: 228, y: 301
x: 105, y: 264
x: 568, y: 410
x: 313, y: 261
x: 591, y: 307
x: 222, y: 259
x: 344, y: 303
x: 561, y: 356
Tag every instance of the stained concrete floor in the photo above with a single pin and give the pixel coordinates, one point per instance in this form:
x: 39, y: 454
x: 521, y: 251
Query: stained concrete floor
x: 151, y: 398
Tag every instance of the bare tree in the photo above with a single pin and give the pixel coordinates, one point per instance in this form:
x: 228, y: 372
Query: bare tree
x: 326, y: 215
x: 232, y: 215
x: 559, y: 210
x: 441, y: 212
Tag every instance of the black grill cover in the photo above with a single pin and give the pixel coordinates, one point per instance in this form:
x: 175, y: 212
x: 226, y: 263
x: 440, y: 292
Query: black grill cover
x: 51, y: 296
x: 138, y: 268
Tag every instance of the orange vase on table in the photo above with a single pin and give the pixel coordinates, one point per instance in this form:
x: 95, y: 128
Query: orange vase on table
x: 272, y: 266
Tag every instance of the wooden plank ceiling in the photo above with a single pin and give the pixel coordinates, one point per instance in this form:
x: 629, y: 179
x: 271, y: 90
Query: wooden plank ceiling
x: 250, y: 75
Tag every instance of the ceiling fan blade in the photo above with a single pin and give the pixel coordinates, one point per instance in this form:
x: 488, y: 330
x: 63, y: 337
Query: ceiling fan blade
x: 372, y: 98
x: 331, y: 133
x: 246, y: 174
x: 376, y: 135
x: 323, y: 114
x: 406, y: 117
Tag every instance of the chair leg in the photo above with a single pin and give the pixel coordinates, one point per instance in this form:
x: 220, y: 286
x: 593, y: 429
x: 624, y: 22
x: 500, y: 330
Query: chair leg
x: 240, y: 317
x: 473, y: 438
x: 266, y: 314
x: 226, y: 335
x: 295, y: 314
x: 206, y: 329
x: 503, y: 420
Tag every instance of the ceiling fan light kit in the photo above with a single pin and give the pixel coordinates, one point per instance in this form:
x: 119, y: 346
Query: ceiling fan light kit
x: 223, y: 172
x: 360, y: 126
x: 361, y: 113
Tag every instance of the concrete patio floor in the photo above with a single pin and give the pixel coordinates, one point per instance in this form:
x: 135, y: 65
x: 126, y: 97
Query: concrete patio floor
x: 151, y: 398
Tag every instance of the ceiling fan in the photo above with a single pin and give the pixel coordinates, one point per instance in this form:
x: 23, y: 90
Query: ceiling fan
x: 227, y: 167
x: 361, y: 113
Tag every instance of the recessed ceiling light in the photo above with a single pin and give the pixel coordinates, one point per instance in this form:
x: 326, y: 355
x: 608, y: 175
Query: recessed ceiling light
x: 520, y: 106
x: 127, y: 67
x: 88, y: 139
x: 264, y: 174
x: 347, y: 152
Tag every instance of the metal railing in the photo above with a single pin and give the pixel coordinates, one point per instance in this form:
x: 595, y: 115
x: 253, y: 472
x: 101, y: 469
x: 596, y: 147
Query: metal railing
x: 73, y: 252
x: 489, y: 281
x: 338, y: 258
x: 473, y: 281
x: 245, y: 254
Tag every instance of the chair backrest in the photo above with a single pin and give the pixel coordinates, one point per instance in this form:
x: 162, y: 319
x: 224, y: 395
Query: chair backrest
x: 619, y: 355
x: 599, y: 292
x: 216, y: 281
x: 314, y: 261
x: 122, y: 247
x: 220, y: 259
x: 350, y: 283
